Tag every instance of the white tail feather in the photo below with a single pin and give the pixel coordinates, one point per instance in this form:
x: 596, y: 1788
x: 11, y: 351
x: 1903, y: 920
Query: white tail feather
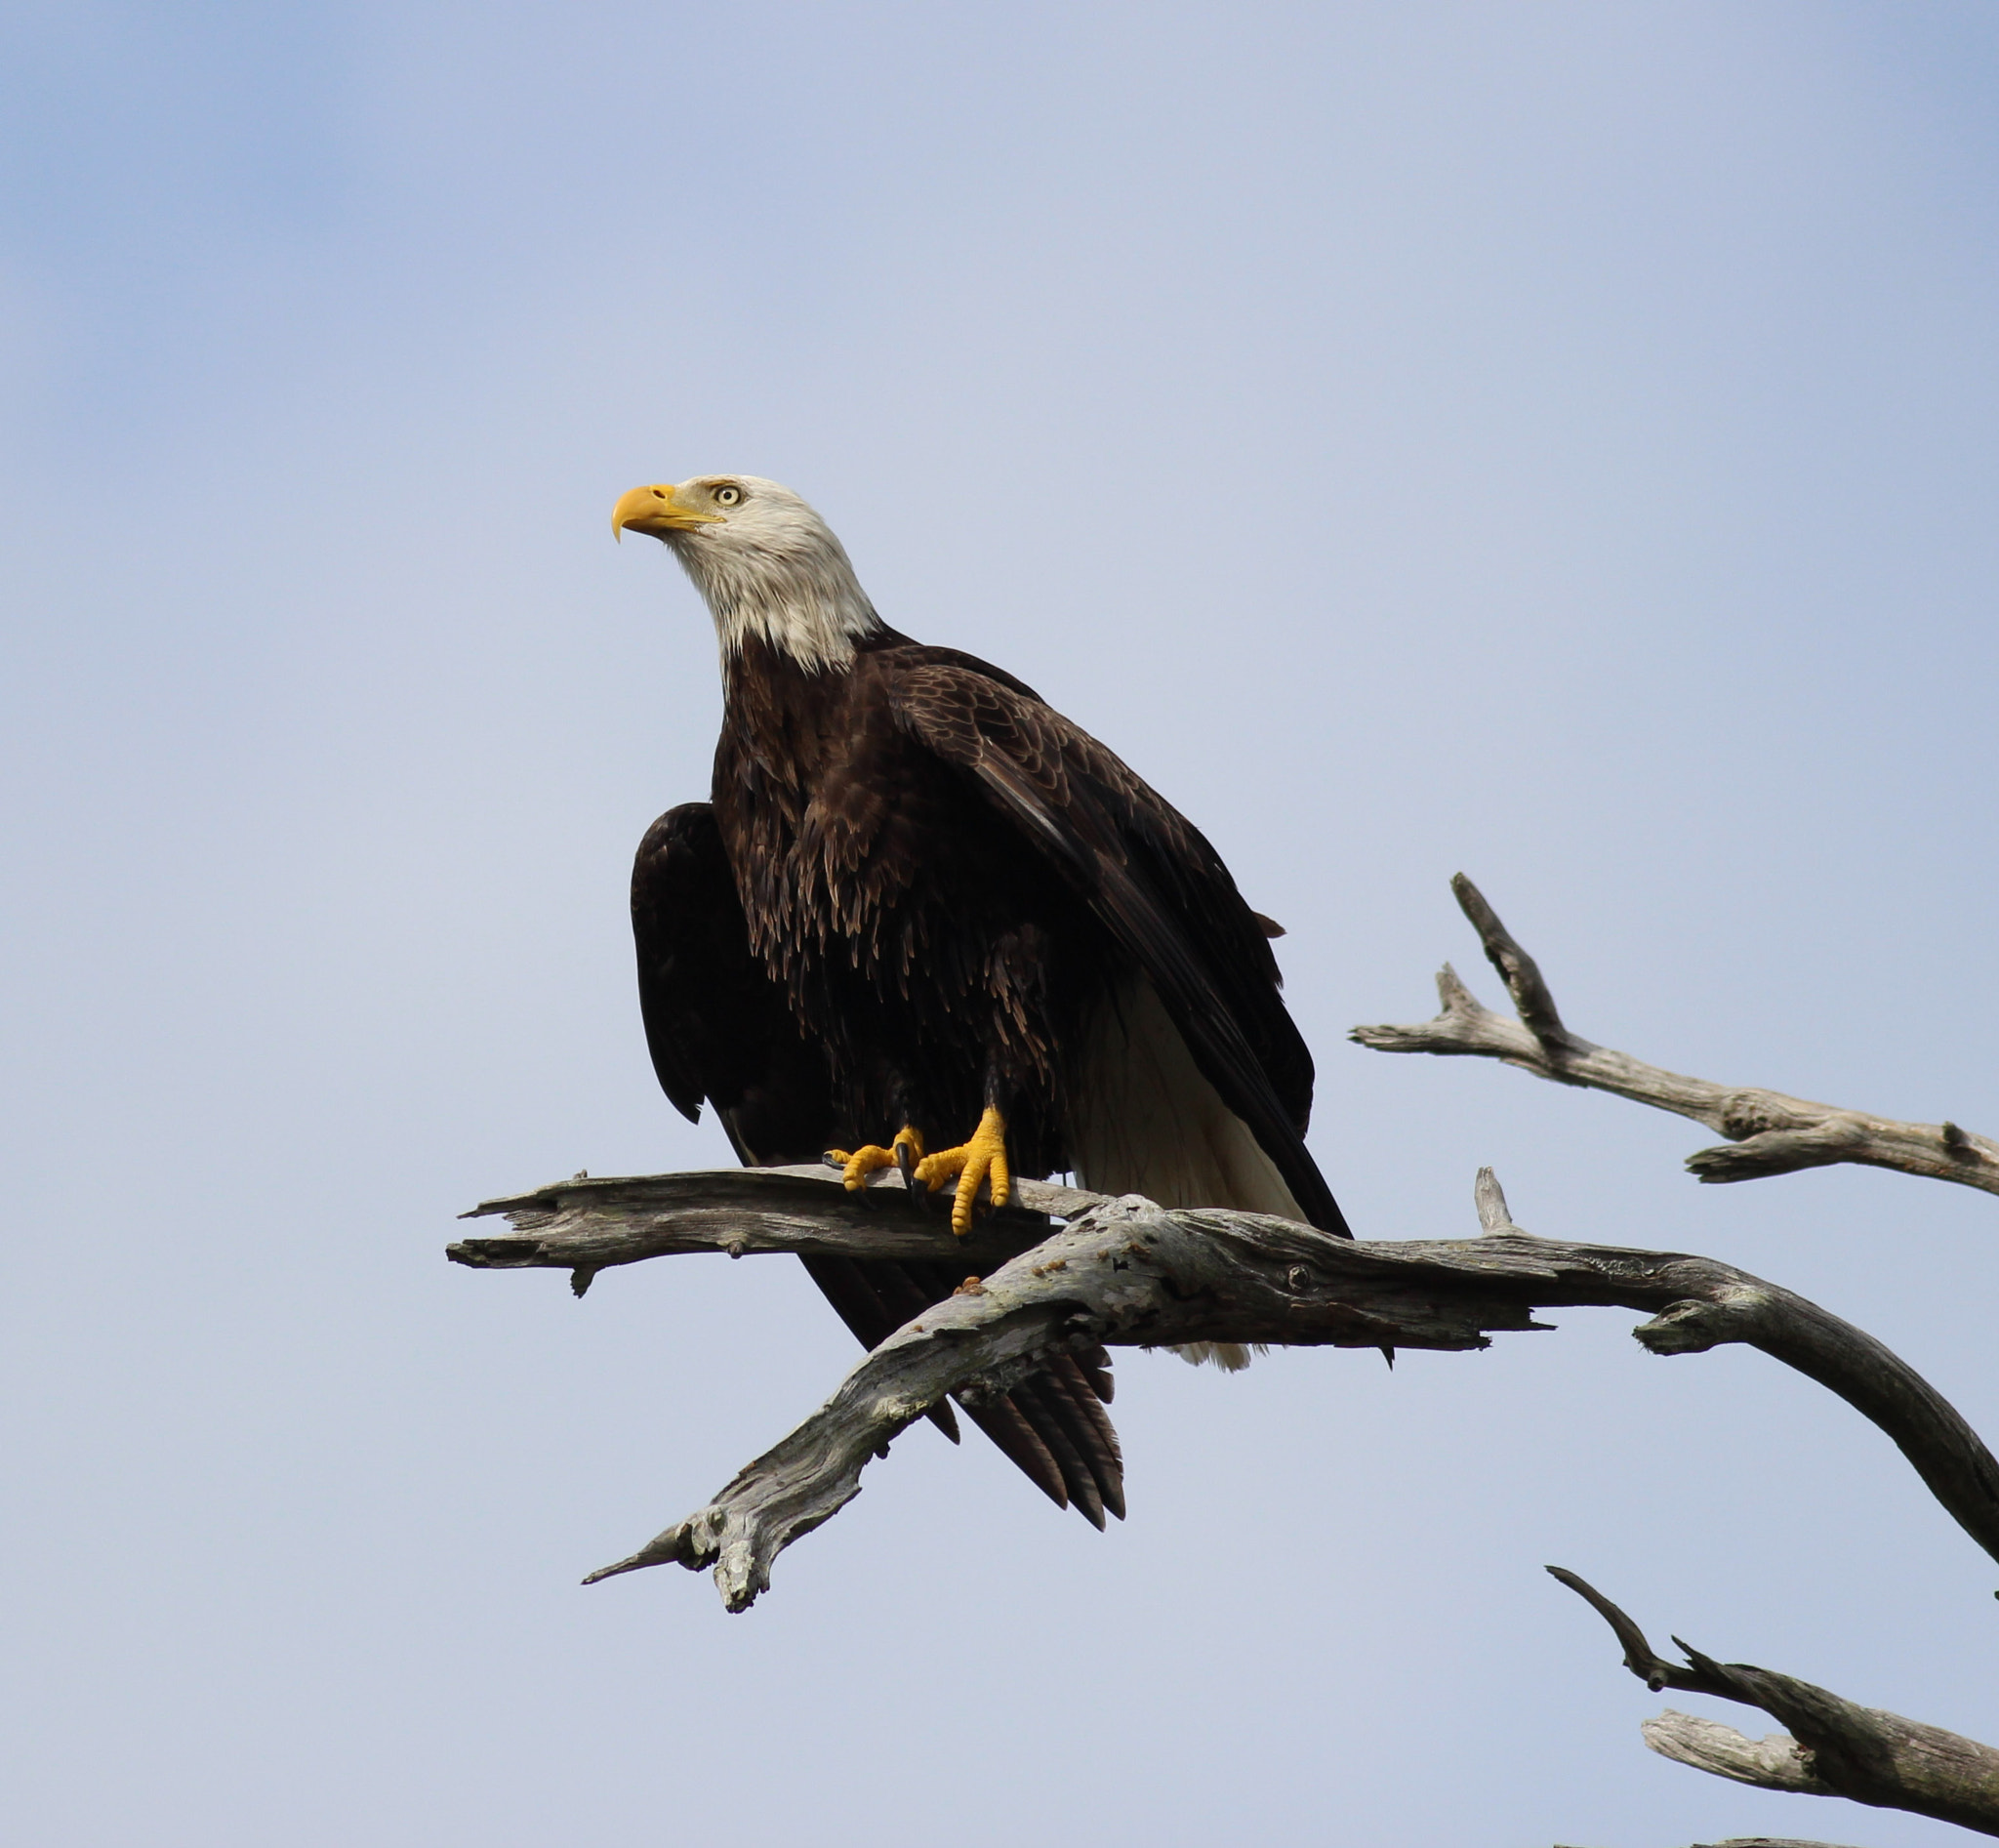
x: 1144, y: 1121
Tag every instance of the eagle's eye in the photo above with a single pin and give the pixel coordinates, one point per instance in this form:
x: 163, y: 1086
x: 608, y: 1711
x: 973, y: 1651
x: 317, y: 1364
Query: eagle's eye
x: 727, y: 496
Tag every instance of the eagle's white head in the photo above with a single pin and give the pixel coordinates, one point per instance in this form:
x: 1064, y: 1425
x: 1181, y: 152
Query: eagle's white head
x: 769, y: 566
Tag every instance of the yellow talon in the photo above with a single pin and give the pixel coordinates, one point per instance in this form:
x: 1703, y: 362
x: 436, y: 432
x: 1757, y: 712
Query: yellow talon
x: 980, y: 1161
x: 855, y: 1167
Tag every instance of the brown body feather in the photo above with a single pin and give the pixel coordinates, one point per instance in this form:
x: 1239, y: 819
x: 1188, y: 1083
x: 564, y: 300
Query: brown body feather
x: 918, y: 890
x: 720, y: 1030
x: 949, y: 878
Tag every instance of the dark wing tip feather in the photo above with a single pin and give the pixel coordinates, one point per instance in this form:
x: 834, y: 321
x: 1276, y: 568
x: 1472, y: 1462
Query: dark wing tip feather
x: 1014, y: 1434
x: 1057, y: 1445
x: 1055, y: 1428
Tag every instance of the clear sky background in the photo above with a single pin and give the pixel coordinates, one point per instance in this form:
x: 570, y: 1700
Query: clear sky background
x: 1554, y: 442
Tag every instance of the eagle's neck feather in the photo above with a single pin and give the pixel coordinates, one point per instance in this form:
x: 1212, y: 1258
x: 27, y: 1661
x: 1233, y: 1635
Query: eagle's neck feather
x: 803, y: 602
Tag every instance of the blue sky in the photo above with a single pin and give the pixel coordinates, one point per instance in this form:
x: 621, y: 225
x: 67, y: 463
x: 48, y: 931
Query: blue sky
x: 1553, y: 442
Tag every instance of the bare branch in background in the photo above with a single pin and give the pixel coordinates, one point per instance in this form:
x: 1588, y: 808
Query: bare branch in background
x: 1771, y: 1134
x: 1125, y: 1272
x: 1834, y: 1747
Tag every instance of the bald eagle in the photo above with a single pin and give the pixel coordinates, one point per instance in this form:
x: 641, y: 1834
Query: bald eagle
x: 923, y: 921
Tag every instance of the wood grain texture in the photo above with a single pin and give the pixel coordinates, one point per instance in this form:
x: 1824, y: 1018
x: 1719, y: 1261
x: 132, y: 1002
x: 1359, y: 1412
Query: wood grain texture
x: 584, y: 1225
x: 1125, y: 1272
x: 1769, y: 1132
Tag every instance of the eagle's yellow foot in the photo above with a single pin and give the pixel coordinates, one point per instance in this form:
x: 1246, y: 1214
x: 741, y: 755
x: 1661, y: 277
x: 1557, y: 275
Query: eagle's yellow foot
x: 980, y: 1161
x: 855, y: 1167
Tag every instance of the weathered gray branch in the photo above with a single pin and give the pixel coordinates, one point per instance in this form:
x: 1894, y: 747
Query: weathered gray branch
x: 1766, y: 1841
x: 1771, y: 1134
x: 1834, y: 1747
x: 1125, y: 1272
x: 584, y: 1227
x: 1759, y: 1841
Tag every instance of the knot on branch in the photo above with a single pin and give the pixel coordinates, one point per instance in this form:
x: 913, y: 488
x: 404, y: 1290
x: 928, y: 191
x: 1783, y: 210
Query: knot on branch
x: 1694, y: 1326
x: 1754, y: 1112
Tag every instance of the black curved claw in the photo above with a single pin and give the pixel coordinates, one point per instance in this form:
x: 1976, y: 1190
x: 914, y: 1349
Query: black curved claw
x: 906, y: 1165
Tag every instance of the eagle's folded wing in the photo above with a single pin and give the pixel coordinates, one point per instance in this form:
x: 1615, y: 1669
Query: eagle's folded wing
x: 1150, y: 876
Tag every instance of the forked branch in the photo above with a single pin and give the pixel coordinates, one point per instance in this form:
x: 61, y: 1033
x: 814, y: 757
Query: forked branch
x: 1125, y: 1272
x: 1771, y: 1133
x: 1834, y: 1747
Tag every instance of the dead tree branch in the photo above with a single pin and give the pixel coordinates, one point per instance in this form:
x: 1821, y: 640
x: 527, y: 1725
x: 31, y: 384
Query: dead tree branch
x: 1125, y: 1272
x: 1834, y: 1747
x: 1759, y: 1841
x: 1766, y: 1841
x: 1773, y: 1134
x: 584, y: 1227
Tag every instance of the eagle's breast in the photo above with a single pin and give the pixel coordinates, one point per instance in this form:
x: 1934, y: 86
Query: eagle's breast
x: 827, y: 823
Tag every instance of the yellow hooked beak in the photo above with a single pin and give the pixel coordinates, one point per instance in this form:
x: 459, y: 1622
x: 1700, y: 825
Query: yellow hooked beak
x: 654, y: 511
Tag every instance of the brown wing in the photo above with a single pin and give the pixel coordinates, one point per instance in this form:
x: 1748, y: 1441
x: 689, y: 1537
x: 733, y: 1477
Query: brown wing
x: 715, y: 1027
x: 720, y: 1030
x: 1150, y: 876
